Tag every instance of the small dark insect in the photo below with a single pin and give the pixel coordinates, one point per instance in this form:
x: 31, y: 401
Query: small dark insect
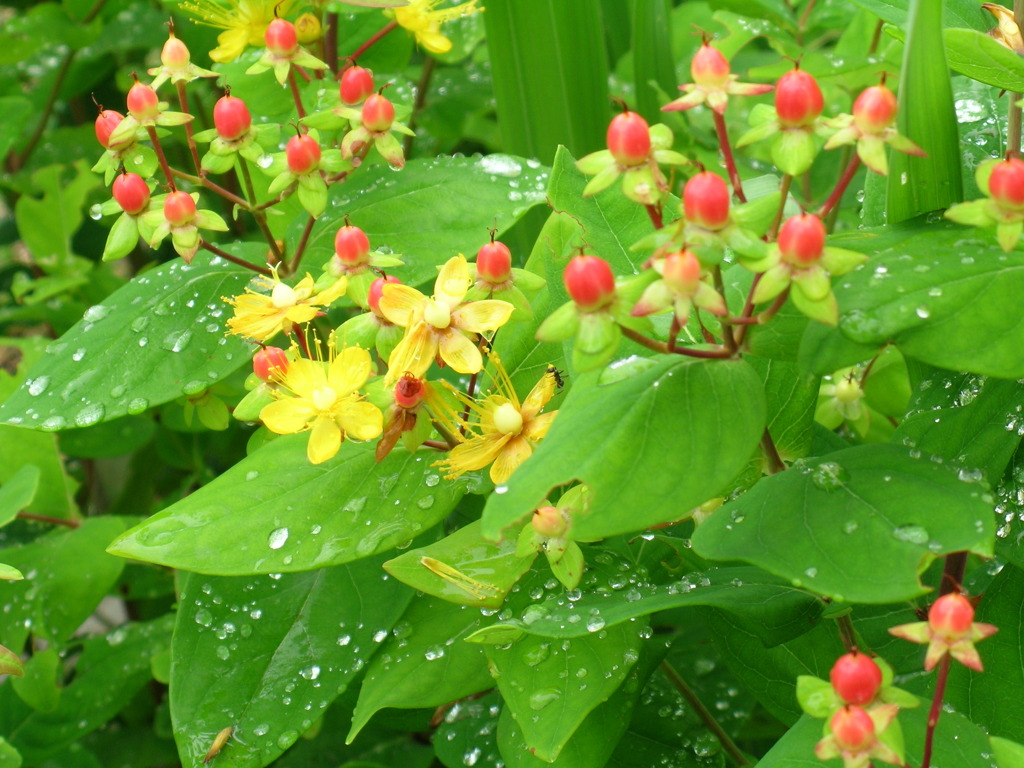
x: 559, y: 380
x: 9, y: 359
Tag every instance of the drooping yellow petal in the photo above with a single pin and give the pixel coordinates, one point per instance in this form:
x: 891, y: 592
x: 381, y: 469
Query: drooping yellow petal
x: 459, y: 352
x: 301, y: 313
x: 516, y: 451
x: 539, y: 396
x: 401, y: 304
x: 414, y: 353
x: 331, y: 293
x: 361, y: 420
x: 288, y: 416
x: 434, y: 42
x: 453, y: 282
x: 349, y: 370
x: 480, y: 316
x: 474, y: 454
x: 324, y: 440
x: 537, y: 427
x: 231, y: 45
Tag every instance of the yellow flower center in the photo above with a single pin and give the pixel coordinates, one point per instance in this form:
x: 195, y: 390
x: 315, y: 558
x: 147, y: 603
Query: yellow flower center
x: 282, y: 296
x: 437, y: 314
x: 324, y: 398
x: 507, y: 419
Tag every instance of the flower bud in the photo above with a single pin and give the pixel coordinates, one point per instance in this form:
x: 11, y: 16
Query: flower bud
x: 856, y: 678
x: 179, y: 209
x: 951, y: 616
x: 494, y: 262
x: 550, y: 521
x: 802, y: 240
x: 706, y: 201
x: 377, y: 290
x: 307, y: 28
x: 131, y: 192
x: 875, y: 109
x: 352, y: 246
x: 106, y: 122
x: 629, y: 139
x: 231, y: 117
x: 590, y: 282
x: 709, y: 67
x: 174, y: 54
x: 853, y: 729
x: 378, y: 114
x: 281, y: 38
x: 302, y: 153
x: 1006, y: 184
x: 409, y: 391
x: 356, y: 85
x: 798, y: 99
x: 681, y: 272
x: 270, y: 363
x: 143, y: 103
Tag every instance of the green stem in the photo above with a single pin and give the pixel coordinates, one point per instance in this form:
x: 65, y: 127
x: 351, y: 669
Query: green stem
x: 727, y: 334
x: 704, y: 714
x: 258, y: 214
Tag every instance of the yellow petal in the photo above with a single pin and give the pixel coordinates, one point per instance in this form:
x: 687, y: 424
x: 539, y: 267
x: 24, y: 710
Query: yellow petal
x: 453, y: 281
x: 287, y: 416
x: 231, y: 45
x: 324, y: 440
x: 401, y: 304
x: 414, y: 353
x: 361, y: 420
x: 480, y: 316
x: 474, y: 454
x: 539, y: 396
x: 332, y: 293
x: 459, y: 352
x: 537, y: 427
x: 434, y: 42
x: 349, y: 370
x: 516, y: 451
x: 304, y: 376
x: 301, y: 313
x: 304, y: 288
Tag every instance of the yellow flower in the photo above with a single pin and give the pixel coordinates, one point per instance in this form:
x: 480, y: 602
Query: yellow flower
x: 260, y: 316
x: 245, y: 22
x: 420, y: 18
x: 441, y: 325
x: 323, y: 399
x: 506, y: 430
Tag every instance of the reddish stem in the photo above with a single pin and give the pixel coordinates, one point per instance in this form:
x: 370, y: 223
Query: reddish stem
x: 168, y: 174
x: 654, y: 211
x: 730, y: 162
x: 300, y: 249
x: 48, y: 519
x: 234, y: 259
x: 295, y: 93
x: 372, y: 40
x: 936, y: 710
x: 841, y: 185
x: 659, y: 346
x: 773, y: 230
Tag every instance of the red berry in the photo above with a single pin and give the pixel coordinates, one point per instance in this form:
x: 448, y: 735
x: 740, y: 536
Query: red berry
x: 356, y: 85
x: 302, y: 153
x: 681, y: 272
x: 351, y: 245
x: 281, y: 38
x: 706, y: 201
x: 131, y: 192
x: 409, y: 391
x: 378, y: 114
x: 853, y: 729
x: 629, y: 139
x: 106, y: 122
x: 1006, y: 184
x: 231, y: 117
x: 494, y: 262
x: 143, y: 103
x: 951, y: 616
x: 856, y: 678
x: 377, y: 290
x: 174, y: 53
x: 549, y: 521
x: 875, y: 109
x: 270, y: 362
x: 798, y: 99
x: 802, y: 240
x: 179, y: 208
x: 709, y: 67
x: 590, y: 282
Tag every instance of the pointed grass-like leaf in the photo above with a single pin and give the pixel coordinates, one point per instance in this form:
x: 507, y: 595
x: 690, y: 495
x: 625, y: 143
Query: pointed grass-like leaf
x: 551, y: 686
x: 274, y: 512
x: 860, y: 524
x: 690, y: 425
x: 151, y: 341
x: 267, y: 655
x: 17, y: 493
x: 652, y: 56
x: 921, y: 184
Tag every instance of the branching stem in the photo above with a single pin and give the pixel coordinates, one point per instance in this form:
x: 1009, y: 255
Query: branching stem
x: 704, y: 714
x: 841, y: 185
x: 234, y: 259
x: 373, y: 40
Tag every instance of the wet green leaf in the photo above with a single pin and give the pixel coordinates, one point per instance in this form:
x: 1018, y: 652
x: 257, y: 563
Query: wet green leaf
x: 17, y: 493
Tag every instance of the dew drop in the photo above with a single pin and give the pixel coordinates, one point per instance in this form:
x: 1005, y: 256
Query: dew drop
x: 277, y: 538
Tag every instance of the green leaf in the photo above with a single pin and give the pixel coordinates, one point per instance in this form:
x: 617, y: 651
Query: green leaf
x: 54, y: 599
x: 10, y: 662
x: 978, y: 56
x: 921, y: 184
x: 9, y: 573
x: 425, y: 662
x: 775, y: 11
x: 551, y: 686
x: 445, y: 207
x: 790, y: 394
x: 663, y: 418
x: 935, y: 296
x: 652, y: 57
x: 17, y: 112
x: 109, y: 439
x: 765, y: 605
x: 149, y: 342
x: 958, y: 13
x: 858, y: 525
x: 38, y: 687
x: 17, y: 493
x: 1007, y: 753
x: 462, y: 568
x: 989, y: 698
x: 270, y: 667
x: 298, y: 516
